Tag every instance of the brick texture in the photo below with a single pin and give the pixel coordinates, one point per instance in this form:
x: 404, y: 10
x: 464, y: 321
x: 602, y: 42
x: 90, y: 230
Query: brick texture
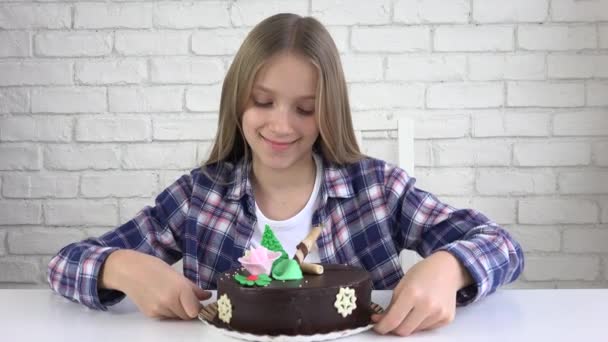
x: 103, y: 104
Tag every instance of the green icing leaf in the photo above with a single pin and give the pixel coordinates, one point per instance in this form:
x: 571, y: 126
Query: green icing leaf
x: 241, y: 279
x: 270, y: 241
x: 264, y: 277
x: 262, y: 280
x: 287, y: 269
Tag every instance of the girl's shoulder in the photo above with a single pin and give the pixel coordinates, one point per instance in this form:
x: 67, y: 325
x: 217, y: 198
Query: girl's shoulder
x: 367, y: 167
x: 362, y: 175
x: 215, y: 175
x: 372, y: 173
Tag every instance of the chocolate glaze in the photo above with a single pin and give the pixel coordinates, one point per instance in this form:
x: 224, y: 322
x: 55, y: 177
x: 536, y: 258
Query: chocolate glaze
x: 297, y: 307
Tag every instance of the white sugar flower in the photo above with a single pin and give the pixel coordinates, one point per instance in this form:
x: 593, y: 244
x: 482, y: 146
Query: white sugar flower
x: 224, y: 308
x: 345, y: 301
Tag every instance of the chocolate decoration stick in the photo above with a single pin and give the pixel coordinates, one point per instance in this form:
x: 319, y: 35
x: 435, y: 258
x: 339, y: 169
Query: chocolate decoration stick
x: 311, y: 268
x: 303, y: 247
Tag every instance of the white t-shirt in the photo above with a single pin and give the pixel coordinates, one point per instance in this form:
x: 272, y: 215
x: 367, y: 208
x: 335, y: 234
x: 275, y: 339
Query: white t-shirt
x: 292, y: 231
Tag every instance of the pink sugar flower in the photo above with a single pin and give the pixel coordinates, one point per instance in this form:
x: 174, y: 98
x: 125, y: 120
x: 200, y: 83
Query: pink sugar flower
x: 259, y: 260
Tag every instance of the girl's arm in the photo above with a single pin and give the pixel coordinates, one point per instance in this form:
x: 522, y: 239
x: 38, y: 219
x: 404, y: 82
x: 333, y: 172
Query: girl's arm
x: 425, y: 224
x: 75, y: 271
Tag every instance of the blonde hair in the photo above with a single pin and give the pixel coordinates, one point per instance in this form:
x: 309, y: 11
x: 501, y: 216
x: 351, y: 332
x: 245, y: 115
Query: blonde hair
x: 295, y: 34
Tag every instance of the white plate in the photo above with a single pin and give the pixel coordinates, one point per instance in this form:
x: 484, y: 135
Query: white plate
x: 210, y: 310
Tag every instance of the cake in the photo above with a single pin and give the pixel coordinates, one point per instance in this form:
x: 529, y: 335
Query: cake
x: 271, y: 294
x: 299, y: 307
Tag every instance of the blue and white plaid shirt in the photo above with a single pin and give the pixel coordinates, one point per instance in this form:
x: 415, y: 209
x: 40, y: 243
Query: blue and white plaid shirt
x: 370, y: 211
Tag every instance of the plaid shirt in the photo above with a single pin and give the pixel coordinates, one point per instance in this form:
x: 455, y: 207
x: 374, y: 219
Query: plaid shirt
x: 370, y: 211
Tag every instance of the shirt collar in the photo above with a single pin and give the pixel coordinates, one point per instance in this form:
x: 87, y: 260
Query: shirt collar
x: 242, y: 181
x: 336, y: 180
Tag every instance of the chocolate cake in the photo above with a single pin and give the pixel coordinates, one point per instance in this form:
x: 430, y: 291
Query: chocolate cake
x: 273, y: 294
x: 338, y: 299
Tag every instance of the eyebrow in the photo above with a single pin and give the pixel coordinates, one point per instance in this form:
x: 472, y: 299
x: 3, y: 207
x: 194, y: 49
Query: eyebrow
x: 267, y: 90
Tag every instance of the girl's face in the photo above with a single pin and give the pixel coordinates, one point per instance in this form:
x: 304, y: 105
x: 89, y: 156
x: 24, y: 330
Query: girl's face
x: 279, y: 119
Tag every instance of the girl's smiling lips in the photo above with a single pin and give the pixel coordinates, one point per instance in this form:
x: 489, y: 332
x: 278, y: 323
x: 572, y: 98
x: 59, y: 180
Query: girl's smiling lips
x: 278, y: 145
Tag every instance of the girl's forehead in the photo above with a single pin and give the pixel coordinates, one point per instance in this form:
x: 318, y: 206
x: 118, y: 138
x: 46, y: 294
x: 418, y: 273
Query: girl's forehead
x: 287, y: 74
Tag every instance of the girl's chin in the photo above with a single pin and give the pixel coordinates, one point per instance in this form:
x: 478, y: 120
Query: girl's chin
x: 277, y: 161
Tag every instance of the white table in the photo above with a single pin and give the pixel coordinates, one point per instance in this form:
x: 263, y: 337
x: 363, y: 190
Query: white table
x: 508, y: 315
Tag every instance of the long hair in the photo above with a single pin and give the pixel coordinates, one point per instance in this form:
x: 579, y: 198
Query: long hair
x: 295, y: 34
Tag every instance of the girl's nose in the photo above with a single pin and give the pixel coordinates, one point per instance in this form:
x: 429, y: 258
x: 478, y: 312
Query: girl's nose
x: 281, y: 120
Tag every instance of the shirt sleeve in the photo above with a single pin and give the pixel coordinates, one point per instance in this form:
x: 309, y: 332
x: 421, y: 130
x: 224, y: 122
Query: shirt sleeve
x: 157, y: 231
x: 425, y: 224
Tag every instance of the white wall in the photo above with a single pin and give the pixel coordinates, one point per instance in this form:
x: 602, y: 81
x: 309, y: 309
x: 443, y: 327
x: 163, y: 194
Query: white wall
x: 102, y: 104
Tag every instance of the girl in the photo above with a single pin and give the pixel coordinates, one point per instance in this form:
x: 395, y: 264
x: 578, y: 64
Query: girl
x: 285, y: 154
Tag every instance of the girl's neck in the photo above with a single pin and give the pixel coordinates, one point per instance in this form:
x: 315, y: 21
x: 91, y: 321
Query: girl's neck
x: 269, y: 181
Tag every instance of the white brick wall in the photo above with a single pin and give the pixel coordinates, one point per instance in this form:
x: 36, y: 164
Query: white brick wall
x: 514, y: 66
x: 562, y: 267
x: 35, y: 16
x: 352, y: 12
x: 537, y: 238
x: 445, y: 126
x: 551, y: 153
x: 145, y: 99
x: 40, y: 185
x: 76, y: 157
x: 390, y: 39
x: 118, y: 184
x: 100, y: 16
x: 35, y: 72
x: 600, y: 157
x: 222, y: 41
x: 603, y: 31
x: 41, y: 241
x: 577, y: 66
x: 573, y: 10
x: 112, y: 128
x: 14, y: 100
x: 541, y: 210
x: 431, y: 11
x: 103, y: 104
x: 596, y: 93
x: 426, y: 67
x: 81, y: 212
x: 72, y: 44
x: 555, y: 37
x: 496, y: 11
x: 249, y: 13
x: 186, y: 70
x: 36, y: 128
x: 519, y: 94
x: 97, y: 72
x: 14, y: 44
x: 520, y: 182
x: 471, y: 153
x: 510, y: 123
x: 473, y: 38
x: 580, y: 123
x: 61, y: 100
x: 465, y: 95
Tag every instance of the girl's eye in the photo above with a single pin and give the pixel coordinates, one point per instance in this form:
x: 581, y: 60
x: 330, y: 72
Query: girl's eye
x: 262, y: 103
x: 305, y: 112
x: 268, y: 104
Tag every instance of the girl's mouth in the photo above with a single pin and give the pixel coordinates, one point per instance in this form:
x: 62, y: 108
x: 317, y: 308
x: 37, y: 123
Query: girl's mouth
x: 278, y: 145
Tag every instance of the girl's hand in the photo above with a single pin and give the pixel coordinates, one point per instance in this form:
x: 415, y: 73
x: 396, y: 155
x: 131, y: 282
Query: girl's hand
x: 426, y: 296
x: 156, y: 289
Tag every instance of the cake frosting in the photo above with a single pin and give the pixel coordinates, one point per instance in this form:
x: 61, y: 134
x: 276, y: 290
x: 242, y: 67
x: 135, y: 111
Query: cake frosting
x: 272, y: 294
x: 338, y: 299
